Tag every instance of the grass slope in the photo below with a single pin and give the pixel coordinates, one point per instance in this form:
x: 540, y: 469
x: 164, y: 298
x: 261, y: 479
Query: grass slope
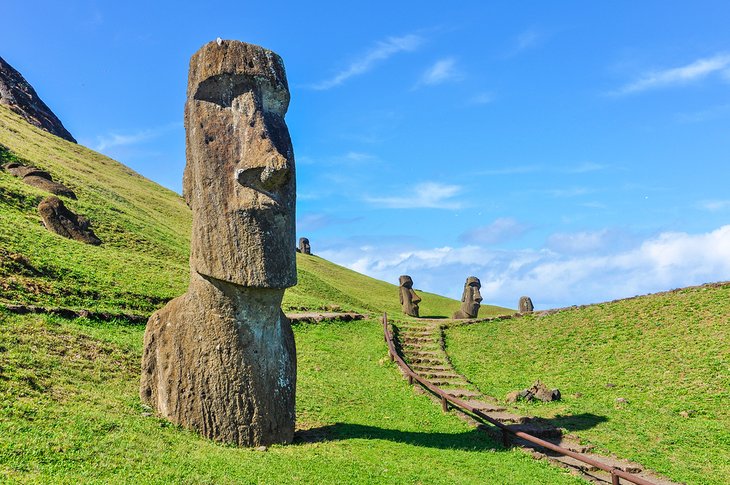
x: 145, y: 229
x: 667, y: 354
x: 70, y: 412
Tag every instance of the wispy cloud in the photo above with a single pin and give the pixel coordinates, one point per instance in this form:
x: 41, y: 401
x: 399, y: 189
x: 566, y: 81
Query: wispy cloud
x: 116, y: 139
x: 383, y: 50
x: 426, y: 195
x: 482, y: 98
x: 502, y: 229
x: 714, y: 205
x: 319, y: 220
x: 441, y: 71
x: 515, y: 170
x: 692, y: 72
x: 585, y: 168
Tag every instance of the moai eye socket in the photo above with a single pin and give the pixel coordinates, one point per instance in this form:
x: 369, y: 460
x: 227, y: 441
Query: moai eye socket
x: 222, y: 89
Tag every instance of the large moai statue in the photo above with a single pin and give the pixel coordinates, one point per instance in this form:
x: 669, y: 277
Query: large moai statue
x: 525, y: 305
x: 220, y: 359
x: 304, y: 246
x: 470, y: 299
x: 408, y: 297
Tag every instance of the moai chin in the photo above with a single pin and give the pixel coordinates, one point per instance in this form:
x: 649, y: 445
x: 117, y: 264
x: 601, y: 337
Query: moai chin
x: 525, y: 305
x: 408, y: 297
x: 470, y: 299
x: 220, y: 359
x: 304, y: 246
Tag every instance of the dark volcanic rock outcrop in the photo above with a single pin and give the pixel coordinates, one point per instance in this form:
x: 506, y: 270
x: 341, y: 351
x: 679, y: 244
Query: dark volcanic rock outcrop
x: 57, y: 218
x: 220, y: 359
x: 19, y: 96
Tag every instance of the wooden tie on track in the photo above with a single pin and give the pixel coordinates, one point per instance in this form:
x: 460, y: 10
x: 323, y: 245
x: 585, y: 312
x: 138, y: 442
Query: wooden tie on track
x: 422, y: 345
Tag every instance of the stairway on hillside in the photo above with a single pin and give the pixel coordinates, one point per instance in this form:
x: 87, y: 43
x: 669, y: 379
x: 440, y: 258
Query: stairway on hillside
x: 421, y: 343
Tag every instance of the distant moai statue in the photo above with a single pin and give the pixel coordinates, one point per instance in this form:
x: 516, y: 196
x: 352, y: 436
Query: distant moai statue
x: 526, y: 305
x: 220, y: 359
x: 408, y: 297
x: 470, y: 299
x: 304, y: 246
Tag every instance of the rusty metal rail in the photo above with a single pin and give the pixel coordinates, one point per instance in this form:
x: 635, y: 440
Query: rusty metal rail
x: 447, y: 399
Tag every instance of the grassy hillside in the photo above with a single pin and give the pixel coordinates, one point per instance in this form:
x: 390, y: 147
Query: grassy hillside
x: 70, y: 413
x: 667, y: 355
x: 145, y: 229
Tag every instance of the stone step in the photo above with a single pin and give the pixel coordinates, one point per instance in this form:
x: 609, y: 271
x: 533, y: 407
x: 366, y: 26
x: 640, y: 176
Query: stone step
x: 485, y: 407
x: 426, y: 354
x: 430, y: 368
x: 505, y: 417
x: 447, y: 382
x: 421, y: 333
x: 537, y: 430
x: 571, y: 444
x: 429, y: 374
x: 425, y: 360
x: 418, y: 340
x: 462, y: 393
x: 434, y: 346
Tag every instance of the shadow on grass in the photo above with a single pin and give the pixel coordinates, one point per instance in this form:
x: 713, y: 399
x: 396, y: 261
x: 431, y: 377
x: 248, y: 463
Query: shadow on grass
x: 434, y: 317
x: 575, y: 422
x: 474, y: 440
x: 487, y: 438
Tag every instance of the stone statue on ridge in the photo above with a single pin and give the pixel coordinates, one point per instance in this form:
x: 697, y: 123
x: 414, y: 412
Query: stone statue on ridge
x: 304, y: 246
x: 220, y: 359
x: 408, y: 297
x: 525, y: 305
x: 470, y: 299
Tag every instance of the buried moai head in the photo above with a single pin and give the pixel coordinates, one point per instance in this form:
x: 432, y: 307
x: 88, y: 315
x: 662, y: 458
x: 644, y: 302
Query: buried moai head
x: 304, y: 246
x: 470, y: 299
x: 525, y: 305
x: 239, y: 178
x: 408, y: 297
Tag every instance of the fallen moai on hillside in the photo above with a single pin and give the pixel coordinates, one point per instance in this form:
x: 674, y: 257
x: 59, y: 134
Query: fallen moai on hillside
x: 58, y: 219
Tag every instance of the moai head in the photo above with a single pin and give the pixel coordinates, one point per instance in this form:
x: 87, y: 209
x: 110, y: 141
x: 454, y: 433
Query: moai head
x: 471, y: 298
x: 304, y: 246
x: 408, y: 297
x: 525, y: 304
x: 239, y: 178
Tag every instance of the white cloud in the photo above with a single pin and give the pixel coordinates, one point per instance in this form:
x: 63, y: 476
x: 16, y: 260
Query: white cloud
x: 714, y: 205
x: 113, y: 139
x: 694, y: 71
x: 440, y: 72
x: 382, y: 51
x: 431, y: 195
x: 482, y: 98
x: 551, y: 278
x: 502, y: 229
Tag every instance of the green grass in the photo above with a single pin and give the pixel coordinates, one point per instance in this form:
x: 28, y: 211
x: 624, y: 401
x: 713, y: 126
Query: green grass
x: 69, y: 412
x: 667, y: 354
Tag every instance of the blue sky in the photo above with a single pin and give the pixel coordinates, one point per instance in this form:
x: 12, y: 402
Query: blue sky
x: 575, y: 152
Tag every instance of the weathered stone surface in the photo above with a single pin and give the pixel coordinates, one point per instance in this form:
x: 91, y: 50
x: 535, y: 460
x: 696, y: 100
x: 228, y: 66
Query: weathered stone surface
x: 409, y: 300
x: 537, y: 391
x: 19, y: 96
x: 470, y: 298
x: 59, y: 219
x: 220, y: 359
x: 38, y: 178
x: 234, y: 116
x: 525, y: 305
x: 304, y: 246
